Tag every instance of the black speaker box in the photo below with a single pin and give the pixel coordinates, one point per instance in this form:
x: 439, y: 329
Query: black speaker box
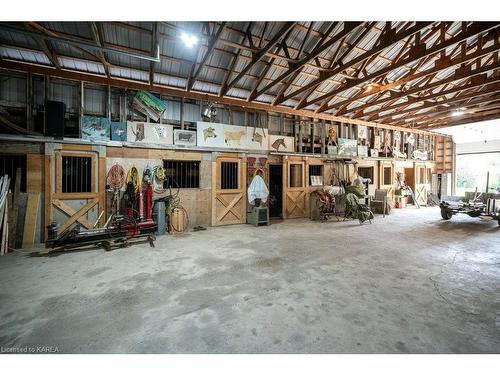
x: 54, y: 119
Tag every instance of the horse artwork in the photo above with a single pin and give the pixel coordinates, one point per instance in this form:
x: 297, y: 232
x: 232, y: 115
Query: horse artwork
x: 230, y: 136
x: 209, y: 133
x: 280, y: 142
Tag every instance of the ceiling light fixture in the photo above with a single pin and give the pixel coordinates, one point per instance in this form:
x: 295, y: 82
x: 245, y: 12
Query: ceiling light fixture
x: 189, y: 39
x: 457, y: 113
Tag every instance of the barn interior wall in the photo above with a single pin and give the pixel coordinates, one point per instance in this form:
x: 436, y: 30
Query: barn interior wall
x: 196, y: 201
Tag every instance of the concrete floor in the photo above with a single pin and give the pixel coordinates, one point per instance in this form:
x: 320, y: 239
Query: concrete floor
x: 409, y: 283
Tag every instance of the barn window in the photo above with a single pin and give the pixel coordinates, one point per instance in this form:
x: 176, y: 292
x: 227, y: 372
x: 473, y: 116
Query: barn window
x: 315, y: 175
x: 182, y: 174
x: 295, y: 175
x: 366, y: 172
x: 76, y: 174
x: 9, y: 165
x: 228, y: 175
x: 387, y: 176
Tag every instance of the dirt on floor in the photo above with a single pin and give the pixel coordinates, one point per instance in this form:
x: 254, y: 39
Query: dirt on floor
x: 408, y: 283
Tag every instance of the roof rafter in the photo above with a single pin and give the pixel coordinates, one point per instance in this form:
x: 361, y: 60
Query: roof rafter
x: 491, y: 88
x: 420, y: 52
x: 385, y: 43
x: 441, y: 64
x: 257, y: 56
x: 97, y: 35
x: 478, y: 77
x: 210, y: 48
x: 320, y: 48
x: 444, y: 108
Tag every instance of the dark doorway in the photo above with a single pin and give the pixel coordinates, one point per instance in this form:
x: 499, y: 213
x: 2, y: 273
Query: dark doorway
x: 275, y: 191
x: 410, y: 181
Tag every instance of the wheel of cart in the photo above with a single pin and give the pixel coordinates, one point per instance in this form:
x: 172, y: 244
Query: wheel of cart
x: 445, y: 213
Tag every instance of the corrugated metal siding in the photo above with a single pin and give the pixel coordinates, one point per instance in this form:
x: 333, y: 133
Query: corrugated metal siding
x: 83, y: 66
x: 23, y: 55
x: 94, y: 100
x: 12, y: 89
x: 66, y: 93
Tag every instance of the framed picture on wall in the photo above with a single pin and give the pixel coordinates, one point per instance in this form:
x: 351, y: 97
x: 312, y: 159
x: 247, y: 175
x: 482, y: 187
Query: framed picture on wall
x: 362, y: 132
x: 96, y: 128
x: 119, y: 131
x: 347, y: 147
x: 363, y: 151
x: 184, y: 137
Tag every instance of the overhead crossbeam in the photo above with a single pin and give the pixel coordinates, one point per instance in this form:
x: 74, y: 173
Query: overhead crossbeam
x: 421, y: 52
x: 257, y: 56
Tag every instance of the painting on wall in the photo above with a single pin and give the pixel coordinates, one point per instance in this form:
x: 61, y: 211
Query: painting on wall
x: 362, y: 132
x: 119, y: 131
x: 256, y: 138
x: 279, y: 143
x: 347, y: 147
x: 144, y: 132
x: 96, y: 128
x: 332, y: 151
x: 209, y: 134
x: 184, y: 137
x: 235, y: 136
x: 332, y: 135
x: 363, y: 151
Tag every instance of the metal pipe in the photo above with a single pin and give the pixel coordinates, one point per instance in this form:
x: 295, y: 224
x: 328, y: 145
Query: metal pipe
x: 82, y: 43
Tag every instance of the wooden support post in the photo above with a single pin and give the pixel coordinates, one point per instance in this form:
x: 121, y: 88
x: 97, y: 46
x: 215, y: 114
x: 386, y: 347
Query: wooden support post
x: 49, y: 178
x: 182, y: 113
x: 81, y: 108
x: 323, y: 137
x: 102, y: 188
x: 29, y: 102
x: 108, y: 102
x: 312, y: 134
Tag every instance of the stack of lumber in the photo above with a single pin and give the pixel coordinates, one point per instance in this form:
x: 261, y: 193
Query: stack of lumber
x: 4, y: 208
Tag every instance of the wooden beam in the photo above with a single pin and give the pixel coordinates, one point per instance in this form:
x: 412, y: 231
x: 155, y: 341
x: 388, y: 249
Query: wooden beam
x: 348, y: 28
x: 374, y: 51
x: 51, y: 33
x: 492, y: 88
x: 473, y: 30
x: 493, y: 115
x: 210, y: 48
x: 292, y: 78
x: 47, y: 50
x: 253, y: 93
x: 469, y: 103
x: 480, y: 81
x: 258, y: 55
x: 155, y: 49
x: 224, y: 86
x: 177, y: 92
x: 98, y: 37
x: 441, y: 64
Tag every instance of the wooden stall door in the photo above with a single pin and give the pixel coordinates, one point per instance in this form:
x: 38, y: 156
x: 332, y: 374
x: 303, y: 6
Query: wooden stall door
x: 295, y: 196
x: 421, y: 183
x: 228, y: 191
x: 386, y: 179
x: 77, y: 175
